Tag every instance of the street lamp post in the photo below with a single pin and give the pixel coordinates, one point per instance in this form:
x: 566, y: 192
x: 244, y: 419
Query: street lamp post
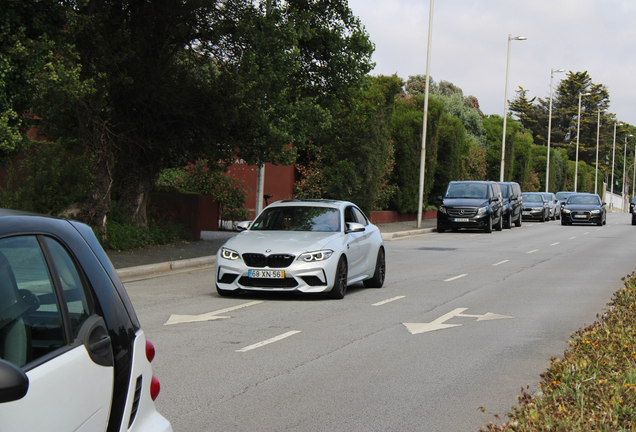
x: 578, y: 128
x: 624, y: 165
x: 423, y: 152
x: 503, y: 140
x: 547, y: 168
x: 598, y: 135
x: 613, y: 156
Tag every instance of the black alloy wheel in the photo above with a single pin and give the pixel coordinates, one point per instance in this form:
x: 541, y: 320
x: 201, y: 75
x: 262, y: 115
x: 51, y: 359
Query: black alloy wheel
x: 499, y: 225
x: 380, y: 272
x: 488, y: 228
x: 340, y: 283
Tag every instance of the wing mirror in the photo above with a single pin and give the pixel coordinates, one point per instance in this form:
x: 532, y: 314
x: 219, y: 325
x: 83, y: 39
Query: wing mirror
x: 242, y: 226
x: 14, y: 383
x: 354, y: 227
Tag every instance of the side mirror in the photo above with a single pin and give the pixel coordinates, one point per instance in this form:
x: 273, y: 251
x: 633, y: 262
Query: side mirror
x: 441, y: 198
x: 242, y: 226
x: 354, y: 227
x: 14, y: 383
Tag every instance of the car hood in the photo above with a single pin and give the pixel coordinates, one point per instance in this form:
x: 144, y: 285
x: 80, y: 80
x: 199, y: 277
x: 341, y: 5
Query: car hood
x: 272, y: 242
x: 465, y: 202
x: 532, y: 204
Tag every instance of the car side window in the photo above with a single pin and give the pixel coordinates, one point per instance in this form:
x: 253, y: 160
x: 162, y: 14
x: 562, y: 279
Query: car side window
x: 37, y: 297
x: 361, y: 217
x: 350, y: 215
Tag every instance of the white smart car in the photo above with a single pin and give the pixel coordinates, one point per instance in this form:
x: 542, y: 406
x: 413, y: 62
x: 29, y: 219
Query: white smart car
x: 308, y: 246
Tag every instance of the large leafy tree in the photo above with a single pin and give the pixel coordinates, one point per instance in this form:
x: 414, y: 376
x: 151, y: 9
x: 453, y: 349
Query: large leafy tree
x: 166, y: 79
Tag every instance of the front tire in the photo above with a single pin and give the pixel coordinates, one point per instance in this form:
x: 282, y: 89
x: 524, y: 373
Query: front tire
x: 518, y: 221
x: 508, y: 223
x: 340, y: 283
x: 488, y: 228
x: 380, y: 272
x: 499, y: 225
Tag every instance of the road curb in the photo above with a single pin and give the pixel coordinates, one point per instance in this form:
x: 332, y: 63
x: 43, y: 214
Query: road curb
x: 394, y: 235
x: 144, y: 270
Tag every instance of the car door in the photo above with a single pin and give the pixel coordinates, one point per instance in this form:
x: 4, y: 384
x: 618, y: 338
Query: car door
x: 356, y: 243
x: 50, y: 329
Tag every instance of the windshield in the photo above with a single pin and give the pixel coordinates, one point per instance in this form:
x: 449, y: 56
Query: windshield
x: 563, y: 195
x: 584, y: 199
x: 298, y: 218
x: 464, y: 190
x: 548, y: 196
x: 532, y: 198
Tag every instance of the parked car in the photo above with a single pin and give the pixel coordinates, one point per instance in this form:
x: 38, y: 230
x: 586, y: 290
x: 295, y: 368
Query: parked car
x: 307, y: 246
x: 511, y: 193
x: 631, y: 210
x: 535, y: 206
x: 74, y: 356
x: 555, y: 207
x: 563, y: 197
x: 471, y: 204
x: 584, y: 208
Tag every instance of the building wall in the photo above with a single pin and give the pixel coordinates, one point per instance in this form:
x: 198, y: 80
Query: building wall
x: 279, y: 182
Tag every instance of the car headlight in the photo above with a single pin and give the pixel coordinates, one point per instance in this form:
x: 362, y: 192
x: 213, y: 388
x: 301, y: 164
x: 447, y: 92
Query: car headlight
x: 564, y: 210
x: 442, y: 209
x: 482, y: 210
x: 595, y: 212
x: 316, y: 256
x: 229, y: 254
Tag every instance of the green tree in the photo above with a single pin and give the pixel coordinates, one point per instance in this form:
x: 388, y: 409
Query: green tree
x: 406, y: 131
x: 358, y: 146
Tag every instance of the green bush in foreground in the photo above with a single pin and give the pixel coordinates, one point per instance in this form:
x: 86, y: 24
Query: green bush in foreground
x: 594, y: 386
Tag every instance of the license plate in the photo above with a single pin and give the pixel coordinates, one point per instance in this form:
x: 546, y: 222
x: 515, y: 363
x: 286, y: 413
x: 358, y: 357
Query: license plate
x: 526, y: 213
x: 461, y: 220
x: 267, y: 274
x: 581, y: 216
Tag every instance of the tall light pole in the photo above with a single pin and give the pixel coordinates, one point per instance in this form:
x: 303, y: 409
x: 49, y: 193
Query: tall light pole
x: 503, y: 140
x: 423, y: 156
x: 578, y: 128
x: 613, y: 156
x: 598, y: 136
x: 634, y: 179
x: 624, y: 165
x: 547, y: 168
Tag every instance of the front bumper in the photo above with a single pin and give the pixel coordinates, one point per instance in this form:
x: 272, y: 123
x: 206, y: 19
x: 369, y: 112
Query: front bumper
x: 306, y: 277
x: 533, y: 213
x: 466, y: 220
x: 581, y: 217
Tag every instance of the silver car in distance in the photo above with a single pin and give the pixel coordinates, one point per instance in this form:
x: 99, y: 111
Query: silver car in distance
x: 308, y: 246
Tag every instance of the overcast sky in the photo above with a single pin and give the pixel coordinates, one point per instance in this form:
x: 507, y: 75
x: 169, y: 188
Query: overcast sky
x: 470, y: 43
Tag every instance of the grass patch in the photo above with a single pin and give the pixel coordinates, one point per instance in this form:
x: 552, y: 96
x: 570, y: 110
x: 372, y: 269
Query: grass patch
x: 594, y: 386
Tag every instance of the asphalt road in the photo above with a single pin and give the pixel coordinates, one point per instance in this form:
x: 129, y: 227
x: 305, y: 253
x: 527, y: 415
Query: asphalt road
x: 465, y: 320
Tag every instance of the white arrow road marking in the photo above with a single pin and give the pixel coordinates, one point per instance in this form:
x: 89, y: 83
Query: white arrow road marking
x: 209, y: 316
x: 268, y: 341
x: 388, y: 301
x: 438, y: 324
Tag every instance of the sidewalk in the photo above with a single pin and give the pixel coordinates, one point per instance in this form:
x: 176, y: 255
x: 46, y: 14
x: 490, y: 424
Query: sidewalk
x: 159, y: 259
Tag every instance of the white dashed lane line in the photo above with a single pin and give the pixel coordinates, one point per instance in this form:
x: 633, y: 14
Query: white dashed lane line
x: 456, y: 277
x: 269, y: 341
x: 388, y: 301
x: 500, y: 262
x: 532, y: 251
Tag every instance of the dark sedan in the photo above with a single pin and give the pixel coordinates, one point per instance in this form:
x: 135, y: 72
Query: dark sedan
x: 583, y: 208
x: 535, y: 206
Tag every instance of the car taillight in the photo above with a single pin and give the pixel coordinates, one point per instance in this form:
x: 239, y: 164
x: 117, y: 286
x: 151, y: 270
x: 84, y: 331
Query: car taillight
x: 150, y: 351
x: 155, y: 387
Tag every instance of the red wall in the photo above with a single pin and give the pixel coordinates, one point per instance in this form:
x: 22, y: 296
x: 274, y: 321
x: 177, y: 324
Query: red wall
x: 279, y: 182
